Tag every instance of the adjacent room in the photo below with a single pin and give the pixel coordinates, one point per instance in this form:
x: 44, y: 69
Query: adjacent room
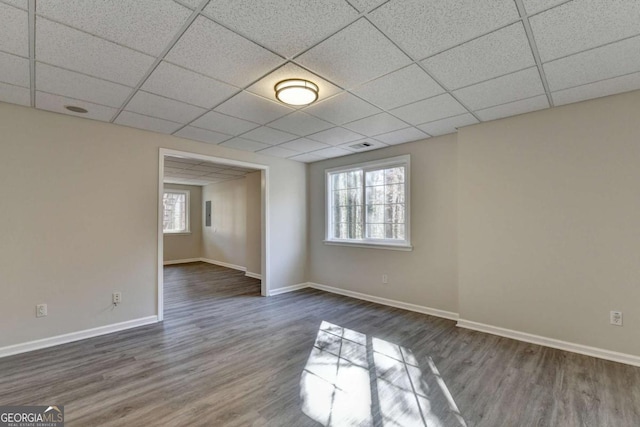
x: 320, y: 213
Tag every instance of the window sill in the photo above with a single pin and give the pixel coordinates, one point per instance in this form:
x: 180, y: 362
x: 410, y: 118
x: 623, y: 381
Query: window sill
x: 182, y: 233
x: 388, y: 246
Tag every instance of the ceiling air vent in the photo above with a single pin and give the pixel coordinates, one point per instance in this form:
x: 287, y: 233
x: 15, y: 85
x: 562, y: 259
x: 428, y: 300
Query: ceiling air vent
x: 361, y: 146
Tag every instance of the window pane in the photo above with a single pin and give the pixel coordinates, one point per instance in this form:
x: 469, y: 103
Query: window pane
x: 394, y: 214
x: 375, y: 195
x: 394, y: 193
x: 375, y: 177
x: 394, y: 175
x: 375, y: 214
x: 394, y: 231
x: 175, y: 212
x: 347, y: 214
x: 339, y: 181
x: 375, y: 231
x: 354, y: 179
x: 368, y: 204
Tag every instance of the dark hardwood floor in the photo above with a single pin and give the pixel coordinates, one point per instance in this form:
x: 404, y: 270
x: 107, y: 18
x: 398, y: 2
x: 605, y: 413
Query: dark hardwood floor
x: 224, y: 356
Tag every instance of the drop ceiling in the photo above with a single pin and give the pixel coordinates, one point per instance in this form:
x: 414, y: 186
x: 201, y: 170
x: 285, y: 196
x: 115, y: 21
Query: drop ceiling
x: 389, y: 72
x: 181, y: 170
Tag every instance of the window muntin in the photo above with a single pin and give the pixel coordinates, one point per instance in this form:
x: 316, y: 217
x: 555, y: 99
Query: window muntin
x: 175, y: 211
x: 368, y: 203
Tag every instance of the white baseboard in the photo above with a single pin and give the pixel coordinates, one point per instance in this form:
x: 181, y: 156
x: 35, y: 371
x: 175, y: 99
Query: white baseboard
x: 75, y: 336
x: 254, y: 275
x: 181, y: 261
x: 551, y: 342
x: 223, y: 264
x: 385, y: 301
x: 286, y: 289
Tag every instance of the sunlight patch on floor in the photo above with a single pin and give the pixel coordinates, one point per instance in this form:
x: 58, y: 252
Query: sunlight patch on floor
x: 354, y: 380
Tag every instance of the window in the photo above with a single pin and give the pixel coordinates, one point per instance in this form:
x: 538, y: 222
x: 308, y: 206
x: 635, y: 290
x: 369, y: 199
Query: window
x: 368, y: 204
x: 176, y: 211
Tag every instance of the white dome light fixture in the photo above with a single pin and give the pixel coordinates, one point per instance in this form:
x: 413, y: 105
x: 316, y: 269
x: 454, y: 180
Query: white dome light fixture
x: 296, y: 92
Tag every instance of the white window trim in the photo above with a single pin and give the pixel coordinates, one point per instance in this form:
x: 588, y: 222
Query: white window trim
x: 187, y: 193
x: 405, y: 245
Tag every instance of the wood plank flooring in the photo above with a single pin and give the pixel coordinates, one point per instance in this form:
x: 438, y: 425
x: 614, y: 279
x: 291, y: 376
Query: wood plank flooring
x: 224, y: 356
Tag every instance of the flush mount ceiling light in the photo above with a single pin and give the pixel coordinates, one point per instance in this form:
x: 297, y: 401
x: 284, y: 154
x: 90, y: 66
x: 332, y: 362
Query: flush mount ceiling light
x: 75, y: 109
x: 296, y: 92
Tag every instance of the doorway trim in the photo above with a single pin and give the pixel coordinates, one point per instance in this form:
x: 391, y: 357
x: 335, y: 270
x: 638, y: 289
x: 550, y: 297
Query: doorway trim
x: 264, y: 210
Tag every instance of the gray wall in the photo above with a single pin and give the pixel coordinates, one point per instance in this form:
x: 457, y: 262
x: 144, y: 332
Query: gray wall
x: 253, y: 251
x: 528, y: 223
x: 186, y: 246
x: 426, y: 276
x: 226, y: 239
x: 549, y: 219
x: 82, y: 221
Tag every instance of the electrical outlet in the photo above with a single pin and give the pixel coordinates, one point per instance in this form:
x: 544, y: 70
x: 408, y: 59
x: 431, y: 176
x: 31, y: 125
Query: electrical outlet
x: 615, y: 318
x: 41, y: 310
x: 117, y: 298
x: 385, y: 279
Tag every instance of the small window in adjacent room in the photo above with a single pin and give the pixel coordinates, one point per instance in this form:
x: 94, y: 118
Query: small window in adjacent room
x: 368, y: 204
x: 176, y: 211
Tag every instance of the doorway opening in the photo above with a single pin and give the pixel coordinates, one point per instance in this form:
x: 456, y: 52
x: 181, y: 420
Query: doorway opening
x: 211, y: 220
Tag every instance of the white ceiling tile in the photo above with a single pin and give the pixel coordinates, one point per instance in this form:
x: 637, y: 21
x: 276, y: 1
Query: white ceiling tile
x: 401, y: 87
x: 335, y: 136
x: 366, y: 5
x: 376, y: 125
x: 139, y: 121
x: 401, y: 136
x: 533, y: 6
x: 306, y: 158
x: 431, y: 109
x: 584, y: 24
x: 520, y: 85
x: 514, y: 108
x: 184, y: 160
x: 278, y: 152
x: 449, y: 125
x: 355, y: 148
x: 14, y: 35
x: 224, y: 124
x: 357, y: 54
x: 208, y: 168
x: 187, y: 86
x: 14, y: 70
x: 327, y: 153
x: 47, y: 101
x: 15, y: 94
x: 145, y: 25
x: 268, y: 135
x: 74, y: 85
x: 495, y: 54
x: 266, y: 86
x: 233, y: 171
x: 244, y: 144
x: 595, y: 90
x: 202, y: 135
x: 214, y: 51
x: 285, y: 26
x: 300, y: 123
x: 163, y: 108
x: 597, y: 64
x: 253, y: 108
x: 342, y: 108
x: 22, y: 4
x: 423, y: 28
x: 72, y: 49
x: 190, y: 3
x: 303, y: 145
